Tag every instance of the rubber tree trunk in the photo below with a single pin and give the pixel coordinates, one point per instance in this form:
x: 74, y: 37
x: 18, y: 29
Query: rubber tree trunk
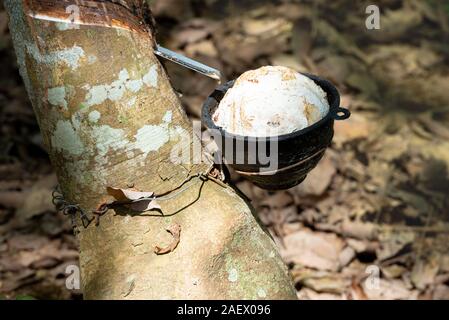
x: 109, y: 117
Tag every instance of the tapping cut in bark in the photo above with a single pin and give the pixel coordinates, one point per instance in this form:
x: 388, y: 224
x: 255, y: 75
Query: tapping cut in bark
x: 122, y: 14
x: 110, y: 118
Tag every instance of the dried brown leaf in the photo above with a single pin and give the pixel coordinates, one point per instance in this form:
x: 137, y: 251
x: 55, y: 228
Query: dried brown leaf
x: 175, y: 231
x: 424, y: 272
x: 389, y: 290
x: 128, y: 194
x: 313, y: 249
x: 319, y: 179
x: 145, y: 205
x: 141, y: 201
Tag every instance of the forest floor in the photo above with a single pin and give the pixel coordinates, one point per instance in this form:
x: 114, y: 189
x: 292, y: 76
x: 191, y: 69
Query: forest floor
x: 370, y: 222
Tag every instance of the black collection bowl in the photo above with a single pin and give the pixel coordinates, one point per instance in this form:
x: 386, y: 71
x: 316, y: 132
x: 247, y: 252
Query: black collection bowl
x: 297, y: 152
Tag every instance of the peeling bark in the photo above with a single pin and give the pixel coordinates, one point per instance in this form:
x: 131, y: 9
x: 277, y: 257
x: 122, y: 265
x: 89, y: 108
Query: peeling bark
x: 109, y: 117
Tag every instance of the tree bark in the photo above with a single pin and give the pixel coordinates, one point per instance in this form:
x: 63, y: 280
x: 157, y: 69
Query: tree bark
x: 109, y: 117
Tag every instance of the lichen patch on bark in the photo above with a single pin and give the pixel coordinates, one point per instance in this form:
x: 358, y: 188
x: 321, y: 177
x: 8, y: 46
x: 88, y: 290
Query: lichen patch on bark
x: 94, y: 116
x: 66, y: 139
x: 57, y: 97
x: 70, y: 56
